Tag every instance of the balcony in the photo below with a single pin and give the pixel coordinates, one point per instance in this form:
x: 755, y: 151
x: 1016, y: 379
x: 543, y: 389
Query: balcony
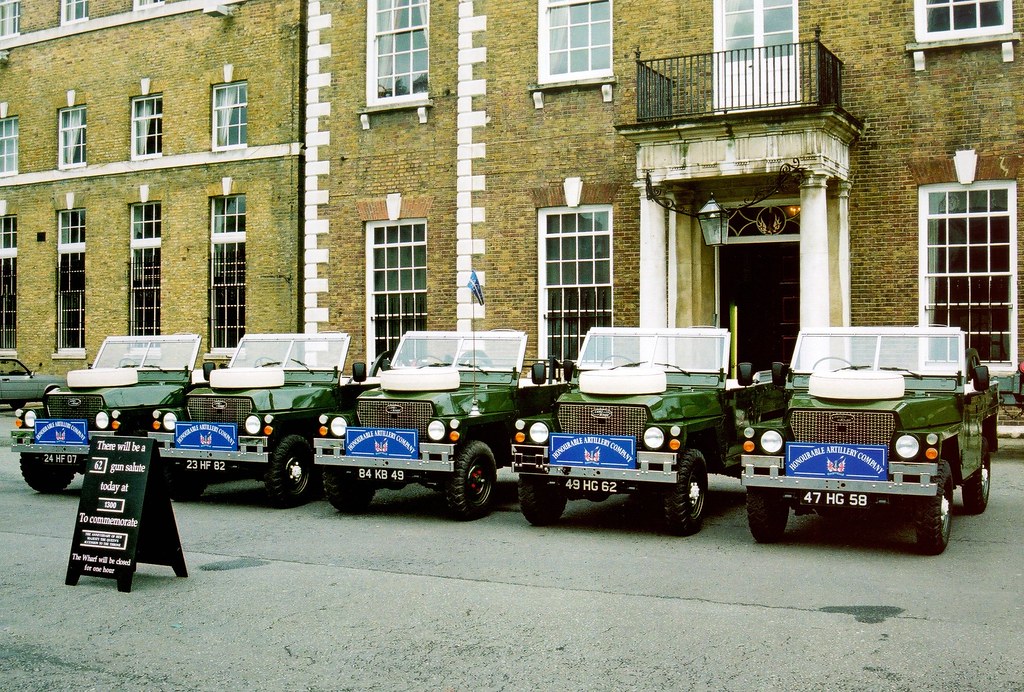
x: 749, y: 79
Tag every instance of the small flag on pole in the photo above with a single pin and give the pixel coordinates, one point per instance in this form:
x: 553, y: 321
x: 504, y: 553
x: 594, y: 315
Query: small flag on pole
x: 475, y: 288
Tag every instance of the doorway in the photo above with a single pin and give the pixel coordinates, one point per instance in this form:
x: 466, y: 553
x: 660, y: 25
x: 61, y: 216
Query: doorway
x: 762, y: 281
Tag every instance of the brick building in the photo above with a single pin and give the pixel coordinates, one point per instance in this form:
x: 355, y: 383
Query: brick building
x: 867, y: 157
x: 151, y: 173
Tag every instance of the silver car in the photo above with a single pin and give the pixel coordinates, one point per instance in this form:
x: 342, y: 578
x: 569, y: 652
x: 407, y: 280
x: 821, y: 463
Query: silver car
x: 19, y: 385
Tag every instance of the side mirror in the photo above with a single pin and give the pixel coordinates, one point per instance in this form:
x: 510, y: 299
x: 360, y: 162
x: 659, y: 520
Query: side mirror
x: 207, y: 369
x: 745, y: 374
x: 568, y: 370
x: 539, y: 373
x: 359, y: 371
x: 779, y: 372
x: 981, y: 378
x: 973, y: 360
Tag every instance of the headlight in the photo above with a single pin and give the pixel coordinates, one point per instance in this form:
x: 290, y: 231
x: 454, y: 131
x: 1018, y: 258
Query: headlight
x: 435, y: 431
x: 907, y: 447
x: 102, y: 420
x: 338, y: 426
x: 538, y: 433
x: 169, y: 420
x: 30, y: 419
x: 654, y: 438
x: 771, y: 441
x: 252, y: 425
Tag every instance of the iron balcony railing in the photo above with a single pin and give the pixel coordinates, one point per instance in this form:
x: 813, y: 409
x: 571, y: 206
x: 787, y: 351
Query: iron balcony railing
x: 792, y: 74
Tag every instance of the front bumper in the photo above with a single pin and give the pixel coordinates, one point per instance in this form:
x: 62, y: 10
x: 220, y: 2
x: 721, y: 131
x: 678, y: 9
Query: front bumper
x: 434, y: 457
x: 652, y: 467
x: 251, y: 450
x: 905, y: 478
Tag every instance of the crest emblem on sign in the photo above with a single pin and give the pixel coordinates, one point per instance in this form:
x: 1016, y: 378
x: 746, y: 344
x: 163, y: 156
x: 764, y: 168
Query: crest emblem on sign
x: 60, y: 435
x: 205, y: 439
x: 836, y: 467
x: 381, y: 447
x: 592, y: 457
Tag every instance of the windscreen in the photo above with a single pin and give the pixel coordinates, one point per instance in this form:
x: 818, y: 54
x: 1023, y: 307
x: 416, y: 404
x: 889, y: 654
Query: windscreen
x: 696, y: 352
x: 148, y: 353
x: 304, y: 352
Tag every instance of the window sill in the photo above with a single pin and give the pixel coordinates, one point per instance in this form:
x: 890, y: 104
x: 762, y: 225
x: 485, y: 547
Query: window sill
x: 69, y: 354
x: 147, y: 157
x: 418, y: 105
x: 606, y: 85
x: 70, y: 166
x: 917, y: 50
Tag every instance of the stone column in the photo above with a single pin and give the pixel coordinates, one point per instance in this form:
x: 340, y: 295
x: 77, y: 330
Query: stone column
x: 844, y: 248
x: 814, y: 274
x: 653, y: 264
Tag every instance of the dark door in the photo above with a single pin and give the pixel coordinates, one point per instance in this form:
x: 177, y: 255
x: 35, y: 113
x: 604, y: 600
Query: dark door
x: 763, y: 281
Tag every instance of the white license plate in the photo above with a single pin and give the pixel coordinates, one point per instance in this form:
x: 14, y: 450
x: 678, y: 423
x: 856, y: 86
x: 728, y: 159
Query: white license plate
x: 61, y: 459
x: 592, y: 485
x: 823, y: 498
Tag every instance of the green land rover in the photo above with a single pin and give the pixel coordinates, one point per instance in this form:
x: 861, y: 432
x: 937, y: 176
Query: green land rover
x: 650, y: 412
x: 442, y: 417
x: 877, y: 416
x: 116, y: 396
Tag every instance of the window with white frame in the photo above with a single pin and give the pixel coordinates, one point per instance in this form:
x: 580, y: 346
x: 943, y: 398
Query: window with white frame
x: 227, y: 272
x: 71, y: 280
x: 398, y: 280
x: 936, y: 20
x: 8, y: 282
x: 230, y: 115
x: 576, y: 276
x: 399, y: 36
x: 10, y: 18
x: 73, y: 11
x: 144, y: 302
x: 147, y: 126
x: 72, y: 137
x: 142, y: 4
x: 8, y: 146
x: 968, y: 267
x: 575, y: 39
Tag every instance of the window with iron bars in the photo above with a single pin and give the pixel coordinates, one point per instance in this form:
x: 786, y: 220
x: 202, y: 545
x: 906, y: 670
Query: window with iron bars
x: 71, y: 280
x: 576, y: 260
x: 144, y: 300
x: 399, y: 276
x: 227, y: 272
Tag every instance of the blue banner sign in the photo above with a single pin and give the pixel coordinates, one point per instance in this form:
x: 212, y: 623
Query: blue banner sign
x: 220, y: 437
x: 598, y: 451
x: 382, y: 442
x: 854, y: 462
x: 61, y: 432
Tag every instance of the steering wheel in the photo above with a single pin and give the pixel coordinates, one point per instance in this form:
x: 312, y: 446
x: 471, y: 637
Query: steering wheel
x: 476, y: 358
x: 822, y: 360
x: 264, y: 361
x: 128, y: 363
x: 427, y: 361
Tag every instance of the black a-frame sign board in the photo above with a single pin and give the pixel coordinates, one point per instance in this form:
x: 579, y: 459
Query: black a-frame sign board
x: 124, y: 515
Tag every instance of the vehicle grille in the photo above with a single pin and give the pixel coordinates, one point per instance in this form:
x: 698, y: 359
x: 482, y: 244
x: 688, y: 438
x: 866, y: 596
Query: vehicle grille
x: 594, y: 419
x: 219, y: 409
x: 844, y: 427
x: 73, y: 405
x: 411, y: 415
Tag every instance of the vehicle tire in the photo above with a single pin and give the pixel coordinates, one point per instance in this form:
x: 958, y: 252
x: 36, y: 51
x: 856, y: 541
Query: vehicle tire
x: 976, y: 488
x: 347, y: 494
x: 15, y: 405
x: 541, y: 503
x: 934, y: 515
x: 470, y: 489
x: 182, y: 485
x: 766, y: 515
x: 44, y: 479
x: 684, y: 503
x: 291, y: 478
